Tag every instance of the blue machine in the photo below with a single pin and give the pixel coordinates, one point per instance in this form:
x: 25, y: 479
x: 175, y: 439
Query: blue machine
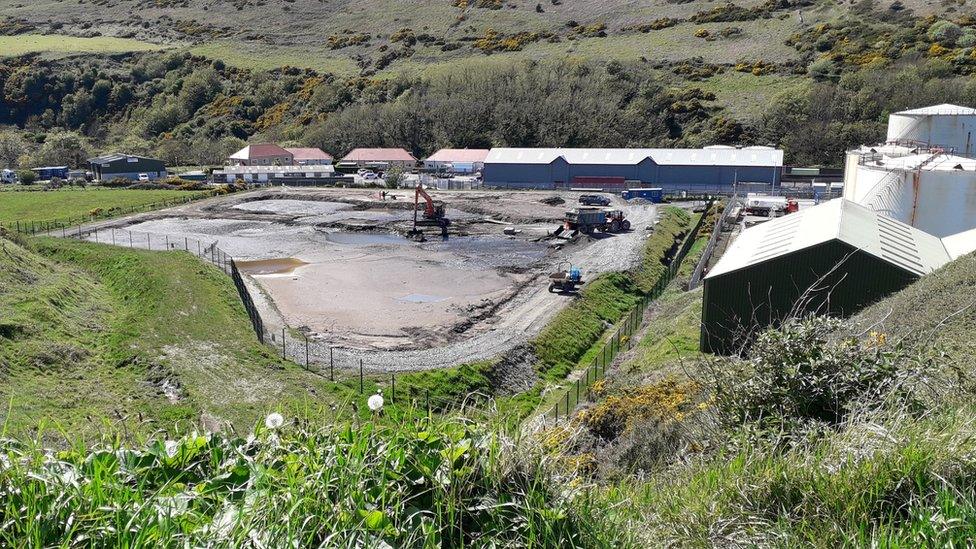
x: 655, y: 194
x: 565, y: 280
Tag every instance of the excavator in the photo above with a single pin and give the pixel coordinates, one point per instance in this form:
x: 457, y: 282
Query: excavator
x: 433, y: 215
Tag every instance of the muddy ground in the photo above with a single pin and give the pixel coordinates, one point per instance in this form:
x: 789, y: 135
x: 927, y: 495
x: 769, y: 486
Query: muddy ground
x: 334, y: 265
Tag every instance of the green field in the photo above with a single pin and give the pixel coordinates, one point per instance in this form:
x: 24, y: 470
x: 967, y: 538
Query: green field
x: 76, y: 203
x: 53, y: 43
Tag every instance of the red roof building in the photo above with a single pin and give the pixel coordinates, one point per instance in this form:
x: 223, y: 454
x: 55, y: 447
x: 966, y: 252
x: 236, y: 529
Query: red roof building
x: 380, y: 158
x: 262, y: 154
x: 310, y: 156
x: 457, y: 160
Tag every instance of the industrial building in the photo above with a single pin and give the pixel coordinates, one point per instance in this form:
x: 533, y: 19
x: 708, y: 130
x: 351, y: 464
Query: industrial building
x: 834, y: 258
x: 262, y: 154
x: 288, y: 175
x: 309, y: 156
x: 457, y: 160
x: 924, y: 174
x: 380, y: 159
x: 126, y: 166
x: 716, y: 169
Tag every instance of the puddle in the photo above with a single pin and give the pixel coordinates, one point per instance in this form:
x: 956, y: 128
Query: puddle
x: 365, y: 239
x: 284, y: 265
x: 422, y: 298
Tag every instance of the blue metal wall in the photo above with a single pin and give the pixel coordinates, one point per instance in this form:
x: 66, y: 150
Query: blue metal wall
x: 669, y: 177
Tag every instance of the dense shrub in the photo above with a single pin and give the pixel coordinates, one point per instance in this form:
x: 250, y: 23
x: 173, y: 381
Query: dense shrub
x: 796, y: 378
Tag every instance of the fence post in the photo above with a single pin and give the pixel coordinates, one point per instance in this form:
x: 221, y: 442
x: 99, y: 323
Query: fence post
x: 149, y: 240
x: 392, y: 388
x: 306, y: 353
x: 577, y: 391
x: 282, y: 343
x: 360, y: 376
x: 331, y: 366
x: 186, y: 244
x: 567, y: 403
x: 63, y: 232
x: 427, y: 395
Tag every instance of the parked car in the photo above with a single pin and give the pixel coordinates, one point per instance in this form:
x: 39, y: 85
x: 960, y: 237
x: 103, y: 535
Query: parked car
x: 8, y: 176
x: 370, y: 176
x: 594, y: 200
x: 144, y: 177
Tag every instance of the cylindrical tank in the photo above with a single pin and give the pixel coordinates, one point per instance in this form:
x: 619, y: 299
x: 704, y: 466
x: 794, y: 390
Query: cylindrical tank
x: 937, y: 199
x: 939, y: 126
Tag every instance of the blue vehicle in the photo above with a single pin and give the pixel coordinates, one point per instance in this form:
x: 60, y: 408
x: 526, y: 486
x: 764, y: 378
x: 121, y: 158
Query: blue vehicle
x: 655, y: 194
x: 565, y: 280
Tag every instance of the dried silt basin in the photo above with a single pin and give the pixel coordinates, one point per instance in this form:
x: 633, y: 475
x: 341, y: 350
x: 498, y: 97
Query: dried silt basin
x: 362, y: 289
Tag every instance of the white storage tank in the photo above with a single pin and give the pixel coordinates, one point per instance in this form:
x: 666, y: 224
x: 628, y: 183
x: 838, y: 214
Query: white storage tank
x: 936, y: 194
x: 949, y: 126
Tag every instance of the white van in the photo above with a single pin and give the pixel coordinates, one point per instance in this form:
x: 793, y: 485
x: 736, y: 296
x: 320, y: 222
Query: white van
x: 8, y: 176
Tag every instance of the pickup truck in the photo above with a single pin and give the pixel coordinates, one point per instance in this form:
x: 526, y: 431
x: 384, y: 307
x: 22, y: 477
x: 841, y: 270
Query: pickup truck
x: 594, y: 200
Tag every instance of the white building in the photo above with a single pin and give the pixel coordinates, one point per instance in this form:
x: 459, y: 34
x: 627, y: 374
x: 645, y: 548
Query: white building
x: 273, y: 174
x: 924, y: 174
x: 457, y: 160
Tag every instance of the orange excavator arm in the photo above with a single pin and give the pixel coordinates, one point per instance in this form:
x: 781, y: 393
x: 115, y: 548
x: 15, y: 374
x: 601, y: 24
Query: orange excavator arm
x: 430, y: 211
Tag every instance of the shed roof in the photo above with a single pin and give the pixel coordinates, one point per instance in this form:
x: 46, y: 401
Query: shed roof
x: 748, y: 156
x: 928, y: 162
x: 308, y: 153
x: 898, y: 243
x: 945, y: 109
x: 379, y: 155
x: 259, y: 150
x: 459, y: 155
x: 112, y: 157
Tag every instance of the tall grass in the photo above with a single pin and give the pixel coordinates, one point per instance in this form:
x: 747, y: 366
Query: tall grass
x: 424, y: 483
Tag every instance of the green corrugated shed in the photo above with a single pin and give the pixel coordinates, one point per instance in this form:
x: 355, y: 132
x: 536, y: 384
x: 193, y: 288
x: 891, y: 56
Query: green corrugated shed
x: 833, y: 259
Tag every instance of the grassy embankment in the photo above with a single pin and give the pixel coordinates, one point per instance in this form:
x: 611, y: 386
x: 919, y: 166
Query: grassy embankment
x: 863, y: 445
x: 93, y: 331
x: 64, y: 204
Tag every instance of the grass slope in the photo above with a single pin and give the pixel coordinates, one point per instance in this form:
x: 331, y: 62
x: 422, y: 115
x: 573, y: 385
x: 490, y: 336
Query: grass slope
x: 11, y: 46
x: 75, y: 203
x: 94, y: 330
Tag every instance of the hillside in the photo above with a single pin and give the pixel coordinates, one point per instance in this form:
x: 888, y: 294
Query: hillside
x: 147, y: 339
x: 428, y: 74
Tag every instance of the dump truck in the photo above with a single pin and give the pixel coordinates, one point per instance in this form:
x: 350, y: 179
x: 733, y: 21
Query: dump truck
x: 588, y: 220
x: 565, y: 280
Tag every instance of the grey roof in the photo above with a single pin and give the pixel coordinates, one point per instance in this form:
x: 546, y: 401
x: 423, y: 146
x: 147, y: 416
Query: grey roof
x: 709, y: 156
x: 945, y: 109
x: 840, y: 219
x: 104, y: 159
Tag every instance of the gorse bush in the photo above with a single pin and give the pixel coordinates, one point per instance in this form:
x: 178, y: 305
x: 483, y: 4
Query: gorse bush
x: 433, y: 483
x: 796, y: 378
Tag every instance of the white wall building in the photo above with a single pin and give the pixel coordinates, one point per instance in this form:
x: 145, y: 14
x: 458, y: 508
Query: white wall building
x: 923, y: 175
